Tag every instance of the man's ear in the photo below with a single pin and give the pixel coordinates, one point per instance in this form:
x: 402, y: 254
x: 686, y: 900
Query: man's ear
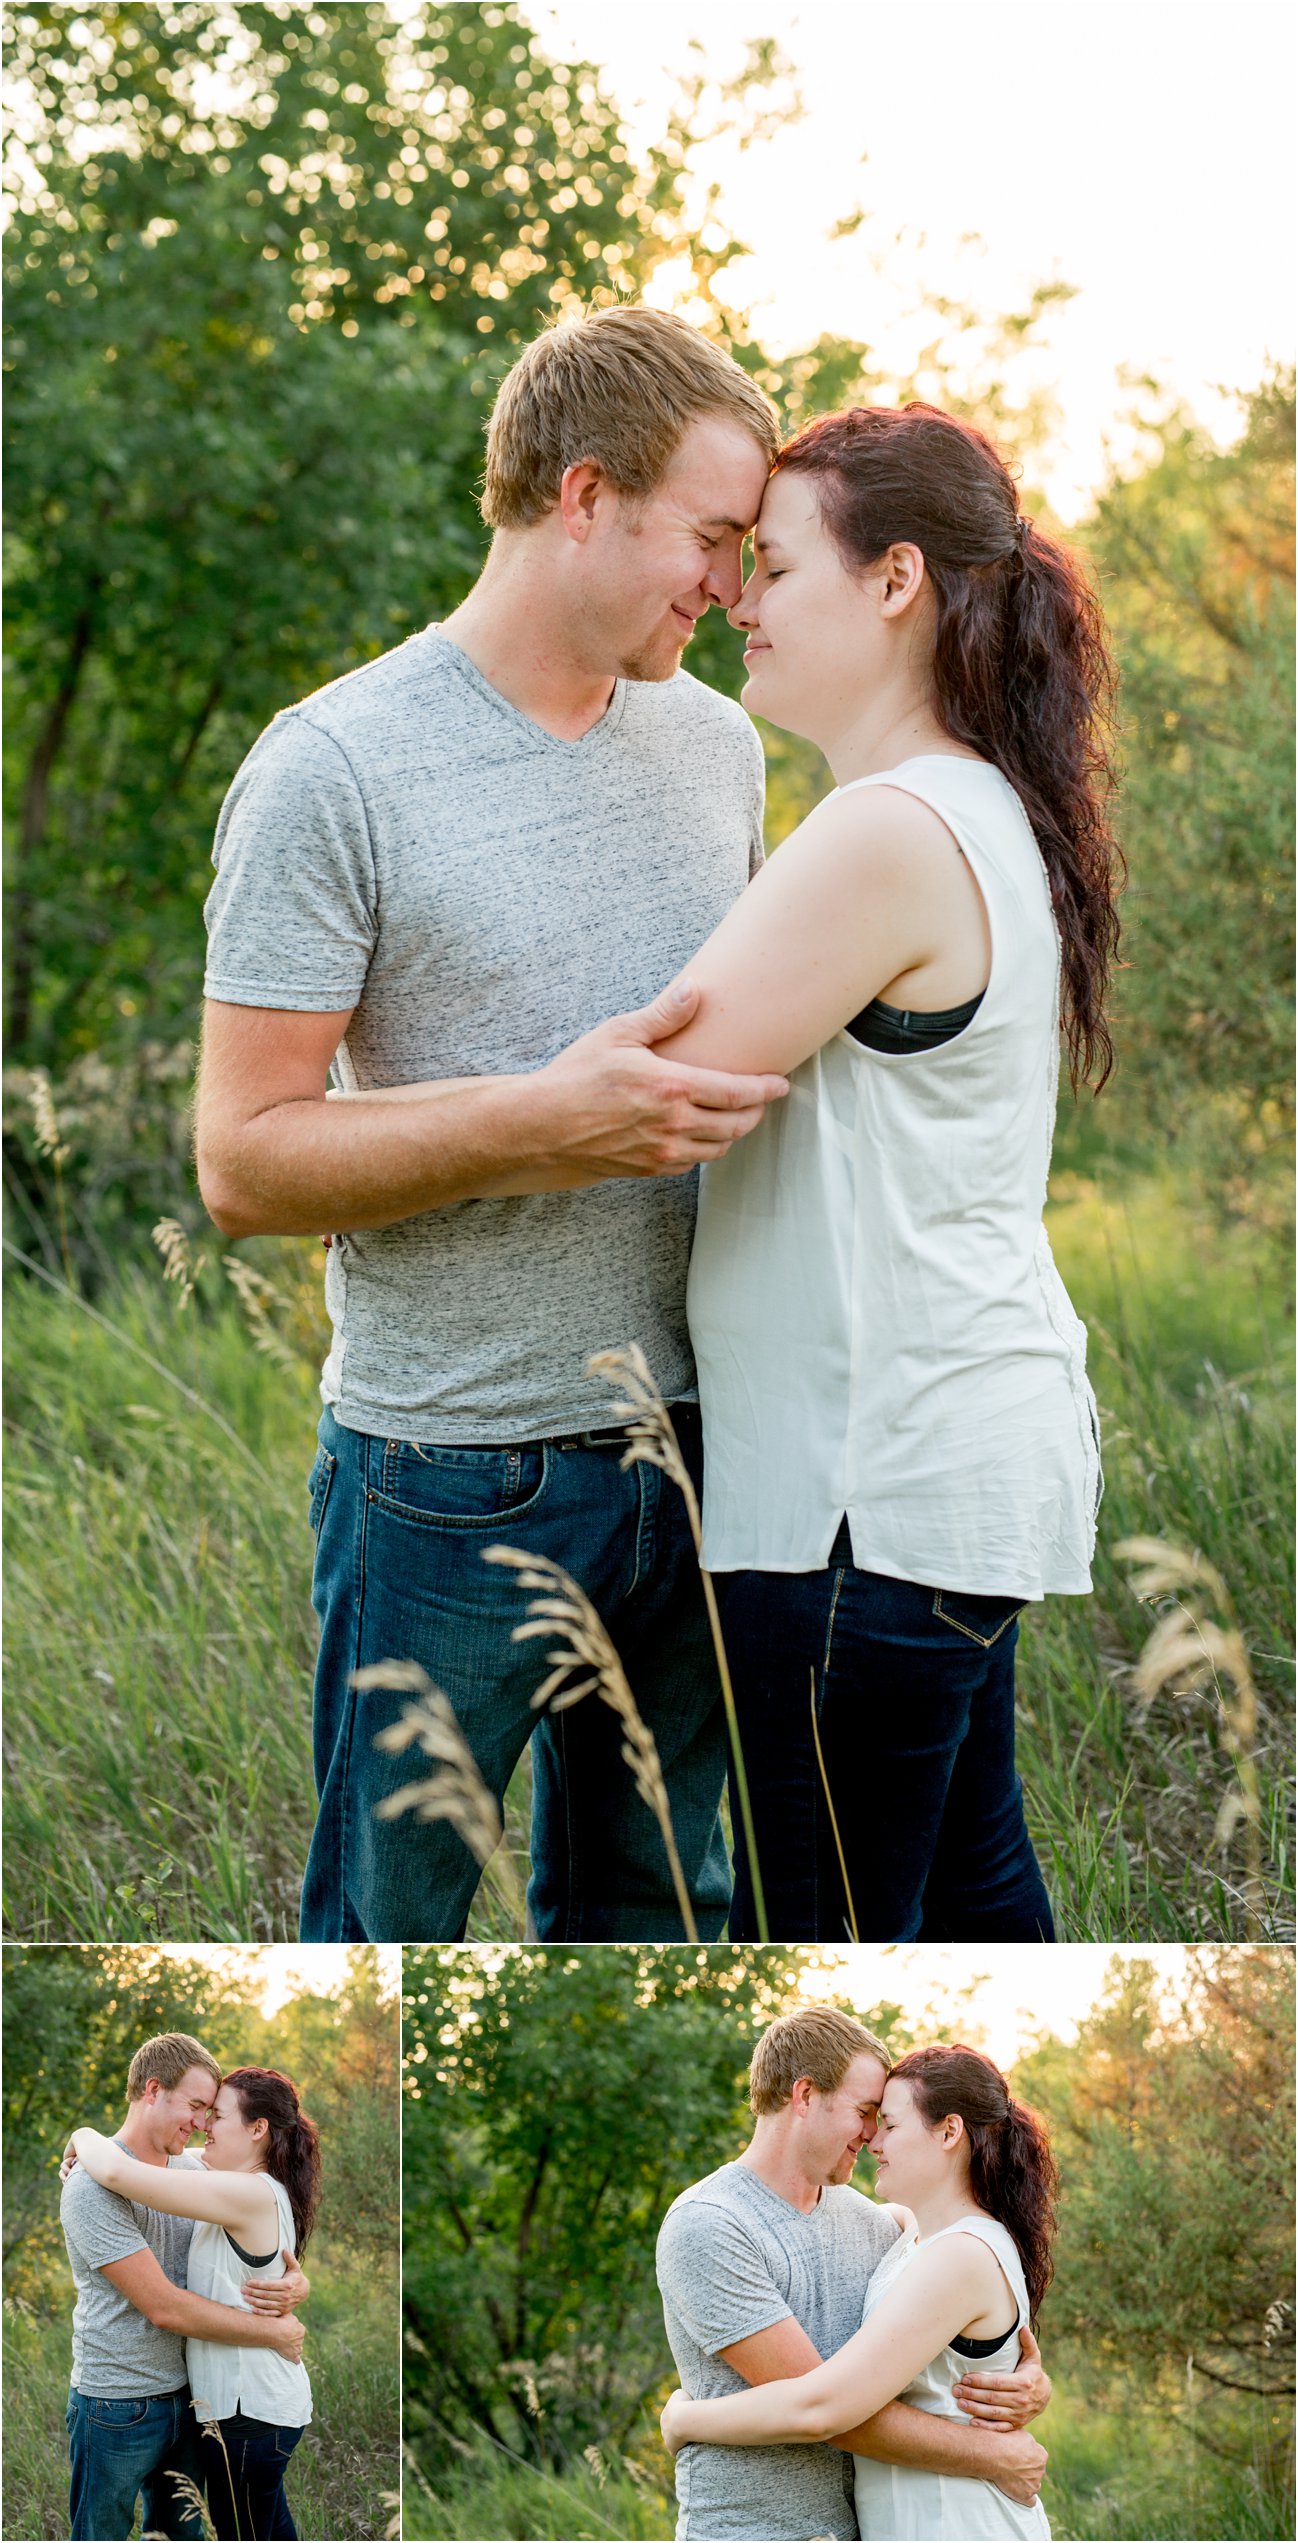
x: 152, y: 2088
x: 581, y: 488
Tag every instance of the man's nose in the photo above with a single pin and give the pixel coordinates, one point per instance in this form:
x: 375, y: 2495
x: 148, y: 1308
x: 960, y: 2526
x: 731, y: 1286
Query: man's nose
x: 724, y: 580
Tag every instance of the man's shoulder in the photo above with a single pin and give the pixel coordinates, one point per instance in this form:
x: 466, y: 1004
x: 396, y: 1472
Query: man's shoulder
x: 361, y: 705
x: 84, y: 2202
x: 863, y: 2217
x: 719, y: 2193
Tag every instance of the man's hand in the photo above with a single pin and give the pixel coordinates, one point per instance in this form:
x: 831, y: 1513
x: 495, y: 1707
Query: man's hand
x: 277, y: 2295
x: 290, y: 2338
x: 1016, y: 2464
x: 69, y: 2162
x: 1007, y: 2401
x: 616, y: 1109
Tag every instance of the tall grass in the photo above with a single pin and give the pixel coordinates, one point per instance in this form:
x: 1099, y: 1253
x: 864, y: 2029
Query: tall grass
x: 161, y: 1640
x: 346, y: 2465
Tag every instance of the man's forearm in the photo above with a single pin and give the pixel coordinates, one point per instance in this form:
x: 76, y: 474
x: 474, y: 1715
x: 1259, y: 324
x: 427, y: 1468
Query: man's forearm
x: 198, y: 2318
x: 923, y: 2440
x: 309, y: 1167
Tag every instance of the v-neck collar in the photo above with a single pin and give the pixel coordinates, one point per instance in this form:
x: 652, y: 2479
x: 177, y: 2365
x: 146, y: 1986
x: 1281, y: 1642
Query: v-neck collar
x: 595, y: 738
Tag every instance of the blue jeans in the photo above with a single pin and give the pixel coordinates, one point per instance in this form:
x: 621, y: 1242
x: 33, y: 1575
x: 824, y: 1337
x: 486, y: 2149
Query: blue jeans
x: 124, y: 2449
x: 400, y: 1532
x: 245, y: 2482
x: 914, y: 1705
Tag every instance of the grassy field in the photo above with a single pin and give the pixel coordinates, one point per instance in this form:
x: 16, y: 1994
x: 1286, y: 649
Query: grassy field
x: 161, y: 1638
x: 1110, y: 2477
x: 345, y: 2473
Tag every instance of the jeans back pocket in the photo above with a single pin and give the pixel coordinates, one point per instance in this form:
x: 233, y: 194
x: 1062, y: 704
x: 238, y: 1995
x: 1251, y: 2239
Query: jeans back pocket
x: 981, y: 1620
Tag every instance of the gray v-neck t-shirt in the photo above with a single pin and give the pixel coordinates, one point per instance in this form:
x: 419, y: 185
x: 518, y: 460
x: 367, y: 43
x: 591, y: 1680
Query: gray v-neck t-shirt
x: 734, y: 2258
x: 117, y: 2353
x: 408, y: 844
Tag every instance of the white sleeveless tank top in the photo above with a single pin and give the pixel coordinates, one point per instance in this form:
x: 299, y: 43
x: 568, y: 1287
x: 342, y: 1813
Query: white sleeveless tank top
x: 256, y: 2381
x: 879, y: 1326
x: 899, y: 2502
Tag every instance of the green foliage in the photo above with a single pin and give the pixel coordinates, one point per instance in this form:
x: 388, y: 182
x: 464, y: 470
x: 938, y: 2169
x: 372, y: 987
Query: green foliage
x: 250, y: 348
x: 1174, y: 2129
x: 1195, y: 552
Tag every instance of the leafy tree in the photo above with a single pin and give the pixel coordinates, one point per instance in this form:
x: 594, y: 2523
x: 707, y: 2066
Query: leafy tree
x: 1196, y: 558
x: 1173, y: 2126
x: 265, y: 268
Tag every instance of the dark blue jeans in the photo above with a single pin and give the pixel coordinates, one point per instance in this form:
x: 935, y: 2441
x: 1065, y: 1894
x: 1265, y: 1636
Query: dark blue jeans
x: 913, y: 1690
x: 400, y: 1532
x: 245, y: 2479
x: 124, y: 2450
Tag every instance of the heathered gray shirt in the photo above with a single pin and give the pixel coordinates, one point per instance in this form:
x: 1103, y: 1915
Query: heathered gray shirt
x: 117, y: 2353
x: 733, y: 2258
x: 409, y: 844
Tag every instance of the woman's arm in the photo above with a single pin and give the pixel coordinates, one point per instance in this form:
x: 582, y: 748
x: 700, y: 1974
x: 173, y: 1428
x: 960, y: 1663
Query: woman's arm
x: 941, y: 2292
x: 870, y: 891
x: 244, y: 2202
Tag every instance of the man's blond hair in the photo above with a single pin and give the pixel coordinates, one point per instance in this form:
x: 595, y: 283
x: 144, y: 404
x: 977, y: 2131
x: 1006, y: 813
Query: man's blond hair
x: 620, y: 386
x: 168, y: 2059
x: 814, y: 2040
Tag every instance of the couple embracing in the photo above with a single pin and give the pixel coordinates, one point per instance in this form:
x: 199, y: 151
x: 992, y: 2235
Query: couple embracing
x: 506, y: 883
x: 856, y: 2368
x: 187, y: 2374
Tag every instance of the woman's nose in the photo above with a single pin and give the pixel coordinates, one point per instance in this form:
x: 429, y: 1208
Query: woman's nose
x: 744, y: 612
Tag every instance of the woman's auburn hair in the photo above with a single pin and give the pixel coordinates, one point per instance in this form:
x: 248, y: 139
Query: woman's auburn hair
x: 292, y: 2140
x: 1022, y: 671
x: 1012, y: 2172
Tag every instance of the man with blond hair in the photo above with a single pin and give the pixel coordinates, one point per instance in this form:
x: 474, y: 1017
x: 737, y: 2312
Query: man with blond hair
x: 131, y: 2428
x: 763, y: 2269
x: 448, y: 868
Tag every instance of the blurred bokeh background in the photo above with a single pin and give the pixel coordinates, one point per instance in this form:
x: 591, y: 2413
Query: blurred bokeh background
x: 265, y: 267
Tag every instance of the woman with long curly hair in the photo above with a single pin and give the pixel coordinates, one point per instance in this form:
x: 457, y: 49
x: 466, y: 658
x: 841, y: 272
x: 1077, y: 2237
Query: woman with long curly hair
x: 973, y: 2179
x: 254, y: 2193
x: 900, y: 1443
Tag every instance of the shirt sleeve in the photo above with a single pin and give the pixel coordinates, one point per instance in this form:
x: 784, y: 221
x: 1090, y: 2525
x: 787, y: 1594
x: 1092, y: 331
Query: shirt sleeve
x: 292, y: 917
x: 101, y: 2224
x: 714, y: 2278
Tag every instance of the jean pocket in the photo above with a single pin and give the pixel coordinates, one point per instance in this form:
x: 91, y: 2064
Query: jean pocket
x: 285, y: 2439
x: 981, y: 1620
x: 458, y: 1487
x: 318, y: 1483
x: 109, y: 2414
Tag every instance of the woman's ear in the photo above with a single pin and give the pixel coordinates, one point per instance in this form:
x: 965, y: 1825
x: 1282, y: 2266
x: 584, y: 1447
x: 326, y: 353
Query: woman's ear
x: 903, y: 577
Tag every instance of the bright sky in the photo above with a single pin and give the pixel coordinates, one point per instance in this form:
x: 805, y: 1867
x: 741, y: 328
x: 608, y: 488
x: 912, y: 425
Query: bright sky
x: 287, y: 1969
x: 1005, y: 1998
x: 1139, y: 149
